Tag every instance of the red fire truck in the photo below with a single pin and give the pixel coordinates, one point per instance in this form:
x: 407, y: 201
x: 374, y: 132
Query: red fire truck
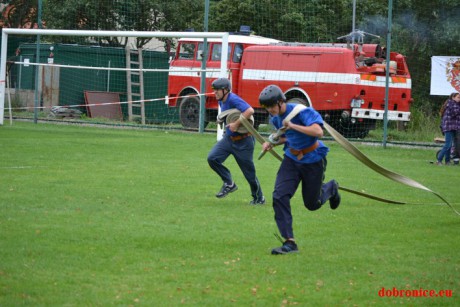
x: 344, y: 82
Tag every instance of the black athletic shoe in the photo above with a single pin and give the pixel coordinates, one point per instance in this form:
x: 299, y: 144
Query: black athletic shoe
x: 226, y: 189
x: 260, y: 201
x: 287, y: 247
x: 334, y: 201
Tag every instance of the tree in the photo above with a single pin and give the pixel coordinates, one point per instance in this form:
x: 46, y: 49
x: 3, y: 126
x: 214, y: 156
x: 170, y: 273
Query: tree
x: 423, y: 29
x: 19, y: 14
x: 265, y: 17
x: 123, y: 15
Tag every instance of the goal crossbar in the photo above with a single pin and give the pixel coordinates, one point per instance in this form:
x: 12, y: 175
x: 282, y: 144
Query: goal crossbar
x: 96, y: 33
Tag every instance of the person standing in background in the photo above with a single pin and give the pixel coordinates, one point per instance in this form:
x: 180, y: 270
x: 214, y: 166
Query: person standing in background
x: 450, y: 126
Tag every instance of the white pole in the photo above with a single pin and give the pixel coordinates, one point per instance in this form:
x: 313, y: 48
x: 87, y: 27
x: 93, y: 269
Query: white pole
x: 113, y: 33
x: 224, y: 56
x: 223, y: 74
x: 9, y: 99
x: 3, y: 74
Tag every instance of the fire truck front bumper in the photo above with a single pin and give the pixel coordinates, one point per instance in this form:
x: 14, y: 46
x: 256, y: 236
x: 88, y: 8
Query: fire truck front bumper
x: 378, y: 114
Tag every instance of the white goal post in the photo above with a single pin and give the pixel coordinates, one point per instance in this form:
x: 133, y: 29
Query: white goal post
x: 94, y: 33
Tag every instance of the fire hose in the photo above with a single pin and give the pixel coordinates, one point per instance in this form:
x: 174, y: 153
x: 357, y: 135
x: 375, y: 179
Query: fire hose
x: 344, y: 143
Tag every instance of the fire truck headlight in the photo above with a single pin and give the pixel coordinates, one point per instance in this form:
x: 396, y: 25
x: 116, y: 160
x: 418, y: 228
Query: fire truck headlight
x: 357, y: 102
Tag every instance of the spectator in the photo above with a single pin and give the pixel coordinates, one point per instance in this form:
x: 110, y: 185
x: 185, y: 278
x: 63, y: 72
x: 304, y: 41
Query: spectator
x: 450, y: 126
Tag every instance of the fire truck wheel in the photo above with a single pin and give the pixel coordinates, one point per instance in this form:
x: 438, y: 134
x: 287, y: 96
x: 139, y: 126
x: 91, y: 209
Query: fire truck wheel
x: 299, y: 100
x: 189, y: 112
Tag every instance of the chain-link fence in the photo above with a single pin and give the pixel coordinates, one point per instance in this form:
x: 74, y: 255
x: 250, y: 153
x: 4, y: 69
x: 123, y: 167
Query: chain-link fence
x: 331, y: 54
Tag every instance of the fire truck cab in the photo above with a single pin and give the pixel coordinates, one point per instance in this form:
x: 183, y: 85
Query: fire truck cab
x: 185, y: 73
x: 344, y: 82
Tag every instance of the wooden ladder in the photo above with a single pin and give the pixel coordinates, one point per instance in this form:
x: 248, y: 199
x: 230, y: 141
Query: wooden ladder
x: 135, y: 84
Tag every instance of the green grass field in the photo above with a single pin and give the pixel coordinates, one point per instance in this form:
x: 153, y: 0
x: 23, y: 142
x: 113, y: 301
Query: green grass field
x: 96, y: 217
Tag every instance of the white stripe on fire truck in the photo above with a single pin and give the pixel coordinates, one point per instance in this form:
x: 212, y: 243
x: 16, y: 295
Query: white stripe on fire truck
x: 294, y: 76
x: 192, y: 72
x: 321, y: 77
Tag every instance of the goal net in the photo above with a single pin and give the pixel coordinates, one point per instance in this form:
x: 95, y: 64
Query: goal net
x: 102, y: 75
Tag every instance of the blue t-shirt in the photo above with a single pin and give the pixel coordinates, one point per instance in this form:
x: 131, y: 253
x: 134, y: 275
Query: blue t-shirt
x: 298, y: 140
x: 233, y: 101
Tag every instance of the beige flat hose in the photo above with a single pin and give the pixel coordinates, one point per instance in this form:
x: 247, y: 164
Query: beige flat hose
x: 358, y: 155
x: 355, y: 152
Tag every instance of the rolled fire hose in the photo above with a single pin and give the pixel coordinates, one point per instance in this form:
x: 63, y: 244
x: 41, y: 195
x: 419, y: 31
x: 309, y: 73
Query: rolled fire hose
x: 358, y: 155
x: 231, y: 115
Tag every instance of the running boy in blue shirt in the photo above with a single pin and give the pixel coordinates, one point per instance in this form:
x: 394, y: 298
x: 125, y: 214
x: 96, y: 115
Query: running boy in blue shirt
x: 304, y: 161
x: 236, y: 143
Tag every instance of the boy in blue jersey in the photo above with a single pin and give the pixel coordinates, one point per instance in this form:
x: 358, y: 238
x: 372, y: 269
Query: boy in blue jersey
x: 235, y: 142
x: 304, y: 161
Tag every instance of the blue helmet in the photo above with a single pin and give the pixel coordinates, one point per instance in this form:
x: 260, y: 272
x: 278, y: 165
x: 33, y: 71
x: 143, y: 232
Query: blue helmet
x: 221, y: 84
x: 271, y: 95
